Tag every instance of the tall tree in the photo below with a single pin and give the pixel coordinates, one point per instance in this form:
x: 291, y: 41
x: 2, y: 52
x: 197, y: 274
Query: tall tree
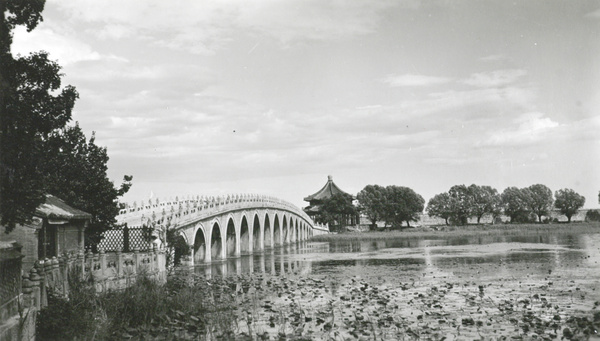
x: 75, y: 170
x: 482, y: 200
x: 460, y: 204
x: 336, y: 210
x: 32, y: 105
x: 568, y: 202
x: 371, y: 201
x: 539, y: 199
x: 515, y: 202
x: 402, y: 204
x: 439, y: 206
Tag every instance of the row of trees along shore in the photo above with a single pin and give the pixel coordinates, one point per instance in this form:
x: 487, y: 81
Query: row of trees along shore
x: 40, y: 153
x: 395, y: 204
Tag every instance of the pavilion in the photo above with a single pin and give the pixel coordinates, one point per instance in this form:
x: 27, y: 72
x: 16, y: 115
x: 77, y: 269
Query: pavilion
x: 330, y: 189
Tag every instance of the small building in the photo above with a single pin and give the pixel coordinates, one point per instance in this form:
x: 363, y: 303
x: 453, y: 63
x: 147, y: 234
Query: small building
x: 55, y: 229
x: 330, y: 189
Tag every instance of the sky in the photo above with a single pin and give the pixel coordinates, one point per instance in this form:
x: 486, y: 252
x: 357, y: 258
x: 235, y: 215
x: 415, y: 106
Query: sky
x: 271, y: 97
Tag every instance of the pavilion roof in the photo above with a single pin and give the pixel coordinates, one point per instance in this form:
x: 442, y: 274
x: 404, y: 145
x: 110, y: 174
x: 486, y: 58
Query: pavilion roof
x: 55, y: 208
x: 327, y: 191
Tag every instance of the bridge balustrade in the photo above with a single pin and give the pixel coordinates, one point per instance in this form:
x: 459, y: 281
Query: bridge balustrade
x: 187, y: 214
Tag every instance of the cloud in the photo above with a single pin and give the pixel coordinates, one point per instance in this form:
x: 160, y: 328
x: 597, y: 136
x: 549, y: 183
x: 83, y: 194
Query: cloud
x: 495, y: 78
x: 594, y: 14
x: 494, y: 58
x: 66, y: 49
x: 530, y: 128
x: 202, y: 27
x: 414, y: 80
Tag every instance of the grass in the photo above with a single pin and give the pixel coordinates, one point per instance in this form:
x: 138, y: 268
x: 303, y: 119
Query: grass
x: 183, y: 308
x: 468, y: 230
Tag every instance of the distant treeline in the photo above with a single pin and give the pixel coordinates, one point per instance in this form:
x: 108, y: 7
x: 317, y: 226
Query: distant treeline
x: 394, y: 204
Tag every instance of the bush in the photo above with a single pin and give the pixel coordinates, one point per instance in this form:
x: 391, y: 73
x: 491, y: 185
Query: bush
x: 592, y: 215
x: 146, y: 309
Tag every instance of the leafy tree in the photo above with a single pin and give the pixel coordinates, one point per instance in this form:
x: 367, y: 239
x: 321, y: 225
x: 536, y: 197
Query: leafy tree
x: 539, y: 199
x: 336, y: 210
x: 32, y: 105
x: 75, y: 171
x: 592, y: 215
x: 568, y: 202
x: 483, y: 199
x: 460, y: 204
x: 372, y: 202
x: 497, y: 207
x: 402, y: 204
x: 439, y: 206
x: 515, y: 203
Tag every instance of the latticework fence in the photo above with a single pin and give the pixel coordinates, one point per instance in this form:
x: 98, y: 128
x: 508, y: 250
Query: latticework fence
x: 126, y: 239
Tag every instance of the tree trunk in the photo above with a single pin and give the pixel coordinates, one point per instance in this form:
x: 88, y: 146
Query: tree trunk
x: 540, y: 218
x: 447, y: 221
x: 568, y: 219
x: 478, y: 219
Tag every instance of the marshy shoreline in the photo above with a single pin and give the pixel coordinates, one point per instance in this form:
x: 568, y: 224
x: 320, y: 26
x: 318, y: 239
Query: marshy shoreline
x: 543, y: 291
x: 467, y: 230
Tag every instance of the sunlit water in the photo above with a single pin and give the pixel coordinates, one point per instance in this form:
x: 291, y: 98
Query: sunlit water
x: 423, y: 286
x: 494, y: 256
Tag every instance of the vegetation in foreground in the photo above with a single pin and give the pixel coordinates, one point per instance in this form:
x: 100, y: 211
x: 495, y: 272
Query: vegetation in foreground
x: 180, y: 309
x: 440, y: 231
x: 264, y: 307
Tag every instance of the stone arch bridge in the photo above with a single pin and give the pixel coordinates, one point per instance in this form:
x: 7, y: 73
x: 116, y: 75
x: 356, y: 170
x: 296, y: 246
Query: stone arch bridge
x: 217, y: 228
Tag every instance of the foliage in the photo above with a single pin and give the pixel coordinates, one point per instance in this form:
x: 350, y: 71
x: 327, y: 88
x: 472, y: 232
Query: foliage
x: 568, y: 202
x: 146, y: 307
x: 335, y: 210
x: 40, y: 154
x: 32, y: 105
x: 515, y: 203
x: 539, y: 200
x: 371, y: 201
x: 75, y: 171
x: 439, y: 206
x: 402, y: 204
x: 460, y: 204
x: 484, y: 200
x: 592, y: 215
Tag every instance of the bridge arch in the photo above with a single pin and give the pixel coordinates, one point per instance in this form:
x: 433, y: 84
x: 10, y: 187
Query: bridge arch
x: 200, y: 246
x: 285, y: 230
x: 296, y: 232
x: 217, y: 247
x: 231, y: 240
x: 267, y: 233
x: 277, y: 235
x: 245, y: 236
x: 257, y: 236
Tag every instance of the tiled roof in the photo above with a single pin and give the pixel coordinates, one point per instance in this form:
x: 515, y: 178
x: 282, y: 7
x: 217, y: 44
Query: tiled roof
x: 327, y: 191
x: 57, y: 209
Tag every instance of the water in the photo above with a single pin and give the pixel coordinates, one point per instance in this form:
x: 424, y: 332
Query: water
x: 495, y: 256
x: 446, y: 288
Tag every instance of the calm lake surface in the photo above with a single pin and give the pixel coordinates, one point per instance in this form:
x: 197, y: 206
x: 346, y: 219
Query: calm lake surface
x: 493, y: 256
x: 484, y: 287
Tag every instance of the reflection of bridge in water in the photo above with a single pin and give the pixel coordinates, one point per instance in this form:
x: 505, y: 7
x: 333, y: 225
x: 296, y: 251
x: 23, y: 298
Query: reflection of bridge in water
x: 222, y: 228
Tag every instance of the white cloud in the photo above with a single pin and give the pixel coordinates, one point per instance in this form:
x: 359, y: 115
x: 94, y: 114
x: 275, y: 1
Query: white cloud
x: 66, y: 49
x: 204, y: 26
x: 530, y: 128
x: 494, y: 58
x: 414, y: 80
x: 495, y: 78
x: 594, y: 15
